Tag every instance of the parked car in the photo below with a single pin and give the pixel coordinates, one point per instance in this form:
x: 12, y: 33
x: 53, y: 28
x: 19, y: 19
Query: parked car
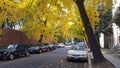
x: 45, y: 47
x: 39, y: 48
x: 35, y: 49
x: 13, y: 51
x: 61, y: 45
x: 77, y: 52
x: 52, y: 46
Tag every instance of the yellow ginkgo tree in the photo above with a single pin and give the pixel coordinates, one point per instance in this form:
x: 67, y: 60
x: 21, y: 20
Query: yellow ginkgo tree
x: 42, y: 19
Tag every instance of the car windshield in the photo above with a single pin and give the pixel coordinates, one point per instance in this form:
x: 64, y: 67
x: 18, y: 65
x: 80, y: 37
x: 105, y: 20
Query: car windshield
x: 77, y: 48
x: 11, y: 46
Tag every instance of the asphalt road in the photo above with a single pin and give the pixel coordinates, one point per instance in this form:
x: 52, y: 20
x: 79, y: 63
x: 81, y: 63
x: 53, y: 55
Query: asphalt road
x: 52, y: 59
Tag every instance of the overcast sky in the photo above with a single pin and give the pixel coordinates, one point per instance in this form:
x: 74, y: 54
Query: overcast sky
x: 116, y: 5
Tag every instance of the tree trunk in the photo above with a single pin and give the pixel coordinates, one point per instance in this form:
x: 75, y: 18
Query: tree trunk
x: 40, y: 40
x: 97, y: 37
x: 41, y: 36
x: 94, y: 45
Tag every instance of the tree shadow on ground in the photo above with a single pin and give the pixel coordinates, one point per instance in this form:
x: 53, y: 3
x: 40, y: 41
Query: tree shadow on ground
x: 103, y: 64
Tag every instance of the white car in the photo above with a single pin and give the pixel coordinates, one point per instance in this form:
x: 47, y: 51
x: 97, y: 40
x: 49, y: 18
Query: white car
x: 77, y: 52
x: 60, y: 45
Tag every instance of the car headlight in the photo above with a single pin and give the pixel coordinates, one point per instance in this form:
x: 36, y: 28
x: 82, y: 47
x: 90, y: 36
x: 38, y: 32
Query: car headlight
x: 69, y: 55
x: 5, y: 52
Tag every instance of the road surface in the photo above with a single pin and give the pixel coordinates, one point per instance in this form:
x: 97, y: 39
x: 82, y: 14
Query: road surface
x: 51, y: 59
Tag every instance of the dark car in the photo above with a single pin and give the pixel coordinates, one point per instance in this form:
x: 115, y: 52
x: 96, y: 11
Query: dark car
x: 45, y: 47
x: 35, y: 49
x: 52, y: 46
x: 13, y: 51
x: 39, y: 48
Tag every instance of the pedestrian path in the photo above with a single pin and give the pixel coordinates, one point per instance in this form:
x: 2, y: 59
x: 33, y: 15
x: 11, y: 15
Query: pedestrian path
x: 113, y: 60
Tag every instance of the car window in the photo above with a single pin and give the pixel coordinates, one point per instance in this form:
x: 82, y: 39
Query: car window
x: 39, y: 44
x: 11, y: 46
x: 21, y: 46
x: 73, y: 48
x: 77, y: 48
x: 81, y: 48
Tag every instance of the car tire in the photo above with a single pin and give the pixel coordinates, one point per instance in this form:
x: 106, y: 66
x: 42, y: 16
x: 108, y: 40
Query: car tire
x: 11, y: 56
x: 27, y: 53
x: 68, y: 60
x: 48, y: 49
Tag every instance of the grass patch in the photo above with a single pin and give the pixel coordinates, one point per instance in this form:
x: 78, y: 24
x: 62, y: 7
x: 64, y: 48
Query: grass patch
x: 112, y: 53
x: 117, y: 55
x: 107, y: 51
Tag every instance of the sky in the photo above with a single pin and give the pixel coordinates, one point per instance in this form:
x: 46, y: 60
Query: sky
x: 116, y: 5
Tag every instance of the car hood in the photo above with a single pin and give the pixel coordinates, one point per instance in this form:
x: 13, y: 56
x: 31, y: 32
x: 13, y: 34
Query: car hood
x: 78, y: 52
x: 3, y: 50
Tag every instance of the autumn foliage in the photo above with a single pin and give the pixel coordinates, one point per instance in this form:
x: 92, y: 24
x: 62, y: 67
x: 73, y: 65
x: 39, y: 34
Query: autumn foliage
x: 50, y: 18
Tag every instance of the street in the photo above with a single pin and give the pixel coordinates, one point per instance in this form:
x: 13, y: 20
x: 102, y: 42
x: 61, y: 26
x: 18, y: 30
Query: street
x: 52, y: 59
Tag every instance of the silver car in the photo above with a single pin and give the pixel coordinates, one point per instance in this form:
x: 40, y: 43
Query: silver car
x: 77, y: 52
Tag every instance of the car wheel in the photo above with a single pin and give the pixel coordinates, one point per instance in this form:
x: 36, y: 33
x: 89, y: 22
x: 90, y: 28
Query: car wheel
x: 68, y: 60
x: 40, y: 51
x: 26, y: 53
x: 11, y: 56
x: 48, y: 49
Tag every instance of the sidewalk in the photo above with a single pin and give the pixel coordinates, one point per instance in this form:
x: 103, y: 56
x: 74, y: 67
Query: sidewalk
x: 113, y: 60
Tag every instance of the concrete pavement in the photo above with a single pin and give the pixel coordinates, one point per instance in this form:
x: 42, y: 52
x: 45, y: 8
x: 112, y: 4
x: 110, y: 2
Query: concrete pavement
x: 113, y: 60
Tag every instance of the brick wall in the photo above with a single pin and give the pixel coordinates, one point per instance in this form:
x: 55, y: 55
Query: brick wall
x: 10, y: 36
